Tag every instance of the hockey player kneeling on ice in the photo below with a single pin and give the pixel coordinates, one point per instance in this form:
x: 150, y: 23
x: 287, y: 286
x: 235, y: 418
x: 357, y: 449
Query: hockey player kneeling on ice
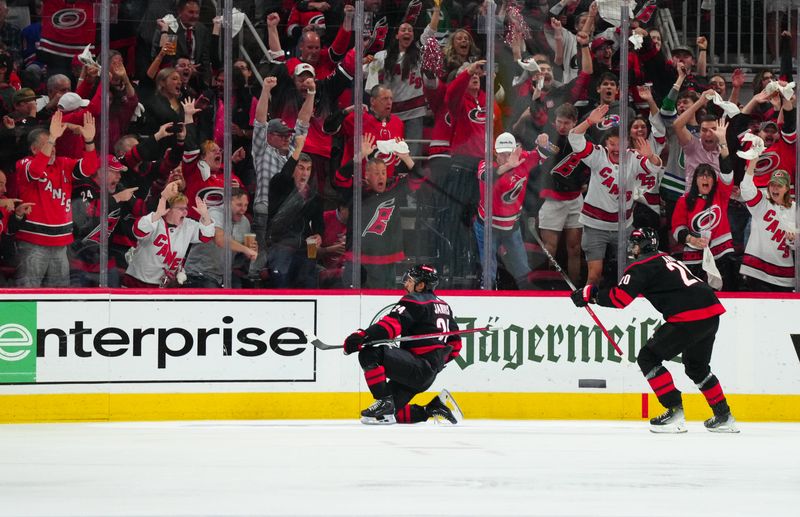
x: 691, y: 311
x: 394, y: 375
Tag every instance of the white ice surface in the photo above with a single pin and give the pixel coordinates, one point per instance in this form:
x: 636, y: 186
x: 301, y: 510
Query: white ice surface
x: 541, y: 468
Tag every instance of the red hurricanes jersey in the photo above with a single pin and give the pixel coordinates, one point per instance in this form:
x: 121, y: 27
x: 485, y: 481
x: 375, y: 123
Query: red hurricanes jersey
x: 468, y: 116
x: 50, y: 187
x: 380, y: 129
x: 67, y: 26
x: 700, y: 218
x: 508, y: 191
x: 202, y: 182
x: 780, y: 155
x: 303, y: 19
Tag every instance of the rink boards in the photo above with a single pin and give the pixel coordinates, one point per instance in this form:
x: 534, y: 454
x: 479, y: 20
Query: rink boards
x: 130, y: 355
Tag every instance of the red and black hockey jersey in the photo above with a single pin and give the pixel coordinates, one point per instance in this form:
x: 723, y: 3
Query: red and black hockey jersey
x: 67, y: 27
x: 388, y: 129
x: 381, y: 223
x: 564, y: 174
x: 667, y: 284
x: 417, y: 314
x: 84, y: 252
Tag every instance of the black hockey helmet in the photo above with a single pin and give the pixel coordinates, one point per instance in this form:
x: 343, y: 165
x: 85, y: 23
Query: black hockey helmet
x: 423, y: 273
x: 645, y: 238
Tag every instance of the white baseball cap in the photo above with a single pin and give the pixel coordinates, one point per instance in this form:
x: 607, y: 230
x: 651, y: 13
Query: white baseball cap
x: 505, y: 143
x: 304, y: 68
x: 71, y: 101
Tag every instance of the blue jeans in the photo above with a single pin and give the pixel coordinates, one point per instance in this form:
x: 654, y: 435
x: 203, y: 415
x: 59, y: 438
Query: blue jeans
x: 289, y: 267
x: 515, y: 258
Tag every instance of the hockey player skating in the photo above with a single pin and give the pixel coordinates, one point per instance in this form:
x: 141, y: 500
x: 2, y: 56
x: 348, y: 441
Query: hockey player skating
x: 691, y: 312
x: 395, y: 375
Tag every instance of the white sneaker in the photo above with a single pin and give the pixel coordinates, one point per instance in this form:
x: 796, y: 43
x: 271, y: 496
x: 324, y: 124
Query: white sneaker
x: 672, y: 421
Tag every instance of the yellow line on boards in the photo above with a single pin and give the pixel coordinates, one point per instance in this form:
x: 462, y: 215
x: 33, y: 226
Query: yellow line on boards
x: 89, y: 407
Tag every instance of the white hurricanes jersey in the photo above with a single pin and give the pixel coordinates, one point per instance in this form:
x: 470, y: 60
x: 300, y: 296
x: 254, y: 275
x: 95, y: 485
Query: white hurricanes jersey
x: 601, y: 205
x: 163, y: 248
x: 767, y: 257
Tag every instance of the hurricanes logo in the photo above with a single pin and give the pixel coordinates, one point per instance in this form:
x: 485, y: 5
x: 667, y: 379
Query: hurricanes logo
x: 66, y: 19
x: 611, y: 121
x: 389, y: 159
x: 380, y: 219
x: 318, y: 20
x: 113, y: 219
x: 377, y: 36
x: 477, y: 115
x: 212, y: 196
x: 707, y: 219
x: 512, y: 195
x: 767, y: 163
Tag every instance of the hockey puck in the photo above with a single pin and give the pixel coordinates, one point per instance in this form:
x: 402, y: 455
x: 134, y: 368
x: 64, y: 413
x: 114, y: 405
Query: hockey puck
x: 591, y: 383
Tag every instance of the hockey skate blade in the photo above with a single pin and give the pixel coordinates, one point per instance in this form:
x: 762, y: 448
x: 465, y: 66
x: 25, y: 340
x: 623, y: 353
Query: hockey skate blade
x: 668, y: 429
x: 385, y: 420
x: 726, y: 429
x: 448, y: 400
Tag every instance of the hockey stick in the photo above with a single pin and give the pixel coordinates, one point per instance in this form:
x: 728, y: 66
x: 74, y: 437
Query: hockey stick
x: 314, y: 340
x: 572, y: 286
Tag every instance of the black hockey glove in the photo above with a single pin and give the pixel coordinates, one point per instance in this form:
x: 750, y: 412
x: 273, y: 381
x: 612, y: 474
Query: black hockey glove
x: 354, y: 342
x: 582, y: 297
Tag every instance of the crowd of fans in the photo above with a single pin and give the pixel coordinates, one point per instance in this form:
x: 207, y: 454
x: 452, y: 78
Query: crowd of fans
x: 712, y: 174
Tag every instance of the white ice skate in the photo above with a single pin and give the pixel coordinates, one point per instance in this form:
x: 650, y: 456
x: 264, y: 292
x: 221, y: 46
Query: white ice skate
x: 721, y: 424
x: 672, y: 421
x: 381, y: 412
x: 447, y: 399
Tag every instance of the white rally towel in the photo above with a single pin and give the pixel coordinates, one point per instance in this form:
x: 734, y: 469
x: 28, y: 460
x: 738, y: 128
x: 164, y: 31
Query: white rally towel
x: 392, y: 147
x: 710, y: 267
x: 636, y: 39
x: 87, y: 58
x: 237, y: 18
x: 774, y: 86
x: 529, y: 67
x: 171, y: 22
x: 756, y: 148
x: 730, y: 109
x: 611, y: 10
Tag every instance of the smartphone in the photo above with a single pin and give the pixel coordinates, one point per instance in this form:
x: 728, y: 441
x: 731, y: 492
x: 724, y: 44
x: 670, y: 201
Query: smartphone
x: 177, y: 127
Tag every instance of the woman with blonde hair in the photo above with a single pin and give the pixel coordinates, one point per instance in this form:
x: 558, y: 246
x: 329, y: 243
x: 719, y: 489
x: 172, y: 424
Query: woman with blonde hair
x: 165, y: 104
x: 768, y: 262
x: 460, y: 49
